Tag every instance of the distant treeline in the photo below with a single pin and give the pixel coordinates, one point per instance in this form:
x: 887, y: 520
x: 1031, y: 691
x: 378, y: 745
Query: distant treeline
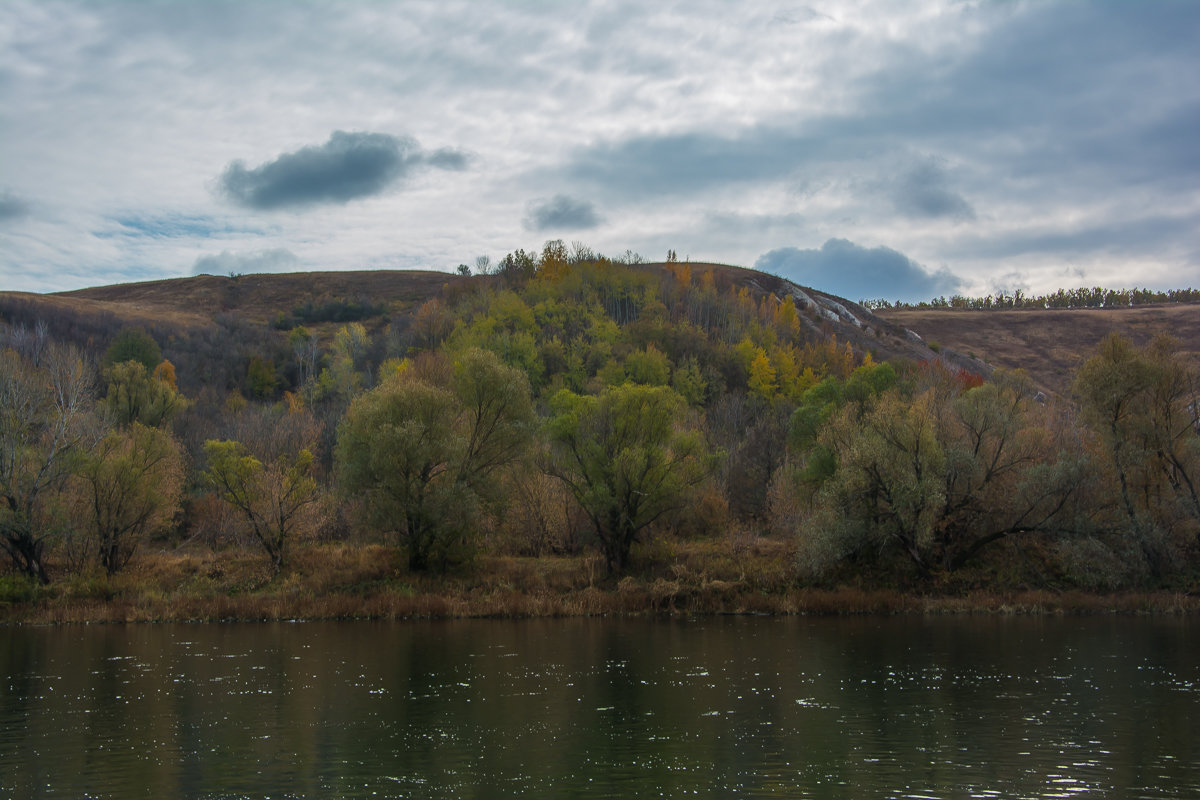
x: 1083, y: 297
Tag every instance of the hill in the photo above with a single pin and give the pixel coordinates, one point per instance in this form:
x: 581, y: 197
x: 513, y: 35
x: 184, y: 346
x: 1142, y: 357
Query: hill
x: 194, y: 305
x: 1049, y: 344
x: 260, y: 297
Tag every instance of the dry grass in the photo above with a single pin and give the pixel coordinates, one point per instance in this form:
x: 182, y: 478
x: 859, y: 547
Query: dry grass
x: 735, y: 574
x: 1050, y: 344
x: 259, y: 297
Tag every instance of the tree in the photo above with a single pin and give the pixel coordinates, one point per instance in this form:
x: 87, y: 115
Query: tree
x: 136, y: 395
x: 650, y: 366
x: 271, y: 496
x: 132, y: 480
x: 261, y: 378
x: 1144, y: 405
x: 306, y: 349
x: 626, y: 460
x: 940, y: 476
x: 762, y: 376
x: 42, y: 433
x: 497, y: 415
x: 423, y: 453
x: 133, y: 344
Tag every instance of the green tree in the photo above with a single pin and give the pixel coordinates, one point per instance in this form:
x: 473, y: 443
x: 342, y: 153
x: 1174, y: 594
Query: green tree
x: 271, y: 497
x: 943, y: 475
x: 649, y: 366
x: 133, y: 344
x: 261, y: 378
x: 43, y: 411
x: 423, y: 454
x: 136, y: 395
x: 133, y: 480
x: 344, y: 377
x: 688, y: 379
x: 626, y: 460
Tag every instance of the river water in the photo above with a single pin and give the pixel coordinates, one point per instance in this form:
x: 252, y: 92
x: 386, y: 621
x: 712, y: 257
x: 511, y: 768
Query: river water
x: 875, y: 707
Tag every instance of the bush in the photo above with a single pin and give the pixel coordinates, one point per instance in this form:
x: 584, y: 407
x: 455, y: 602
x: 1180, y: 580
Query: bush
x: 16, y: 589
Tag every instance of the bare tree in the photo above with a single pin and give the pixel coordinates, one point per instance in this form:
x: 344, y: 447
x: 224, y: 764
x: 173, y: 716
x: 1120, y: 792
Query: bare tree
x: 43, y: 411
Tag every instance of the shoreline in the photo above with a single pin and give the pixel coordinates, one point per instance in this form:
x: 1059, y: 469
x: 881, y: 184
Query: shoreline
x: 342, y: 581
x: 640, y: 601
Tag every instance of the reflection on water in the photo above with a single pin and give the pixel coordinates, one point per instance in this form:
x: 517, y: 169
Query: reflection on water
x: 753, y: 707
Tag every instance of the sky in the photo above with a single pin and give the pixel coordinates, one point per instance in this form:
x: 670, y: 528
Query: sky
x: 867, y: 149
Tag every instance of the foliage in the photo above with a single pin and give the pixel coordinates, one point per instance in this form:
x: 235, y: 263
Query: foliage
x: 136, y: 395
x: 1144, y: 403
x: 133, y: 344
x: 625, y: 458
x: 132, y: 481
x: 941, y: 475
x: 422, y: 453
x: 272, y: 497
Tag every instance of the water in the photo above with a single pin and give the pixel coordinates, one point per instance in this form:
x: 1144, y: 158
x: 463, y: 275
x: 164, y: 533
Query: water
x: 724, y: 707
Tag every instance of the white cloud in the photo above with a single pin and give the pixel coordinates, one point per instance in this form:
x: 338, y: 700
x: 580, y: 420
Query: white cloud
x: 227, y: 263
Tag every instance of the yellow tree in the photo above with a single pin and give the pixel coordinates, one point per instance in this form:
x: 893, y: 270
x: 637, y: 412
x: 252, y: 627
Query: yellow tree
x: 762, y: 376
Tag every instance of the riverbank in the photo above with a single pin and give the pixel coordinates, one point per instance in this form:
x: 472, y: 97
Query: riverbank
x: 343, y: 581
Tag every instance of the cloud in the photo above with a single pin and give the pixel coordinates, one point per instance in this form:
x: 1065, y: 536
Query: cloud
x: 923, y: 193
x: 171, y: 225
x: 12, y: 206
x: 276, y: 260
x: 347, y: 167
x: 849, y: 270
x: 696, y: 161
x: 560, y: 213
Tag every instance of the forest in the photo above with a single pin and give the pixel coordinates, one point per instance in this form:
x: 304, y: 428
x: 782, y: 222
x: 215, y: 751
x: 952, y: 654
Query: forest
x: 600, y: 426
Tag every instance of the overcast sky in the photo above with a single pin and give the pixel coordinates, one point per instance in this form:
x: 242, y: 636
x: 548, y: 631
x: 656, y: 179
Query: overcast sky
x: 869, y: 149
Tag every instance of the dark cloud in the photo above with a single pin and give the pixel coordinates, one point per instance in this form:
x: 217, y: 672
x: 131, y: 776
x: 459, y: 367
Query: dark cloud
x: 683, y: 163
x: 560, y: 213
x: 226, y: 263
x: 846, y: 269
x: 1082, y: 112
x: 923, y: 193
x: 11, y: 206
x: 347, y: 167
x: 447, y: 158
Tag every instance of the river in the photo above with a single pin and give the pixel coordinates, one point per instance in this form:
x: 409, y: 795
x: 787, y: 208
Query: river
x: 871, y: 707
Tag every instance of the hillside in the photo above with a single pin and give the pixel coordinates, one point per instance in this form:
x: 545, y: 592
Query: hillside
x: 1050, y: 344
x: 194, y: 304
x: 260, y: 297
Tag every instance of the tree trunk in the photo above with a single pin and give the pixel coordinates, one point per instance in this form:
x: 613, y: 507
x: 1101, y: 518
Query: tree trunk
x: 26, y: 553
